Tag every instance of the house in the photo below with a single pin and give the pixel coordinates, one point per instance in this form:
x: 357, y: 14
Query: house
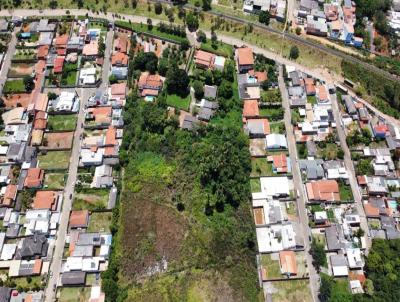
x: 34, y: 178
x: 40, y: 102
x: 354, y: 258
x: 250, y: 109
x: 307, y: 5
x: 331, y: 11
x: 189, y: 122
x: 295, y: 78
x: 335, y: 169
x: 312, y: 169
x: 204, y: 59
x: 91, y: 49
x: 309, y: 86
x: 79, y: 219
x: 67, y: 101
x: 118, y: 91
x: 280, y: 163
x: 44, y: 25
x: 245, y: 59
x: 45, y: 200
x: 33, y: 247
x: 40, y: 121
x: 323, y: 191
x: 42, y: 52
x: 102, y: 177
x: 316, y: 26
x: 335, y: 239
x: 88, y: 76
x: 287, y: 262
x: 119, y: 59
x: 9, y: 196
x: 258, y: 127
x: 75, y: 44
x: 149, y: 84
x: 5, y: 294
x: 210, y: 92
x: 380, y: 130
x: 320, y: 218
x: 92, y: 157
x: 322, y: 94
x: 58, y: 64
x: 73, y: 278
x: 120, y: 72
x: 339, y: 265
x: 219, y: 63
x: 3, y: 25
x: 277, y: 237
x: 276, y: 141
x: 15, y: 116
x: 277, y: 186
x: 37, y: 137
x: 297, y: 96
x: 349, y: 103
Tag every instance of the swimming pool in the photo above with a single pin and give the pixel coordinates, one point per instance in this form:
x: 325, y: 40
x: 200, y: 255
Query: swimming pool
x: 392, y: 204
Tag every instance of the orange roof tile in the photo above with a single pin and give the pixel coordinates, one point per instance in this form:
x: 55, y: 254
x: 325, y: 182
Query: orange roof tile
x: 9, y: 195
x: 45, y: 200
x: 323, y: 190
x: 322, y: 93
x: 245, y: 56
x: 288, y: 262
x: 261, y: 76
x: 204, y: 58
x: 110, y: 137
x: 91, y: 49
x: 43, y: 51
x: 149, y: 81
x: 250, y: 108
x: 41, y: 102
x: 119, y: 59
x: 37, y: 267
x: 370, y: 210
x: 79, y: 219
x: 34, y: 178
x: 58, y: 64
x: 118, y: 89
x: 61, y: 41
x: 121, y: 44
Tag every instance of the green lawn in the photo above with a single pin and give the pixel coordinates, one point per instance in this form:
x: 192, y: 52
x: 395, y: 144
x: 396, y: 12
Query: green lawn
x: 311, y: 99
x: 24, y: 282
x: 100, y: 25
x: 273, y: 114
x: 345, y: 193
x: 69, y: 78
x: 100, y: 222
x: 14, y: 86
x: 65, y: 122
x: 278, y: 127
x: 176, y: 101
x: 320, y: 239
x: 54, y: 160
x: 260, y: 167
x: 91, y: 199
x: 272, y: 266
x: 221, y: 49
x: 255, y: 185
x: 74, y: 294
x: 55, y: 181
x: 293, y: 290
x: 329, y: 152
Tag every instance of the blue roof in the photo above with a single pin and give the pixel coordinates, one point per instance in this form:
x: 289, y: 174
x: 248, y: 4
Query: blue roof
x: 25, y: 35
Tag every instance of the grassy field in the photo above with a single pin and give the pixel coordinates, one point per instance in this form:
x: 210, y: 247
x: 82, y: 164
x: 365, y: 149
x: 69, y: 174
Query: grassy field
x: 273, y: 114
x: 255, y: 185
x: 24, y: 282
x: 221, y: 49
x: 55, y: 181
x: 311, y: 99
x: 293, y: 290
x: 54, y: 160
x: 69, y: 79
x: 176, y: 101
x: 260, y: 167
x: 100, y: 222
x: 272, y: 266
x: 330, y: 151
x: 91, y: 199
x: 14, y: 86
x: 277, y: 127
x: 74, y: 294
x: 65, y: 122
x: 345, y: 193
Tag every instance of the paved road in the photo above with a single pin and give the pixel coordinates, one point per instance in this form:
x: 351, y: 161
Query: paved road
x: 107, y: 62
x: 7, y: 60
x: 298, y: 184
x: 55, y: 267
x: 350, y: 170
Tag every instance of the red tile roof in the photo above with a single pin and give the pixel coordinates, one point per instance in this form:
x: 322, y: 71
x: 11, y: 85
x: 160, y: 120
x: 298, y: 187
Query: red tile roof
x: 280, y: 162
x: 34, y: 178
x: 110, y: 137
x: 58, y: 64
x: 245, y: 56
x: 79, y: 219
x: 9, y: 195
x: 43, y: 51
x: 45, y: 200
x: 323, y: 190
x: 119, y: 59
x: 250, y: 108
x: 204, y: 59
x: 288, y: 262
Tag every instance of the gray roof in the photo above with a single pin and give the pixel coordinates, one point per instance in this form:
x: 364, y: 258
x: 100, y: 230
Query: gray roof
x: 210, y: 92
x: 25, y: 269
x: 205, y: 114
x: 311, y: 148
x: 3, y: 212
x: 5, y: 294
x: 89, y: 239
x: 334, y: 237
x: 32, y: 247
x: 44, y: 25
x: 313, y: 168
x: 15, y: 151
x: 83, y: 251
x: 189, y: 122
x: 308, y: 4
x: 255, y: 127
x: 338, y: 260
x: 350, y: 106
x: 12, y: 230
x: 112, y: 198
x: 210, y: 105
x: 333, y: 164
x: 121, y: 72
x: 3, y: 25
x: 275, y: 214
x: 295, y: 78
x: 73, y: 278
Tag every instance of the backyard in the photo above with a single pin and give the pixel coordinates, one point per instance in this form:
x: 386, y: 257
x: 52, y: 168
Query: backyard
x: 54, y: 181
x: 260, y: 167
x: 100, y: 222
x: 219, y: 48
x: 54, y: 160
x: 277, y: 127
x: 65, y: 122
x: 91, y: 199
x: 176, y: 101
x: 74, y: 294
x: 271, y: 263
x: 14, y: 86
x: 345, y: 192
x: 69, y: 74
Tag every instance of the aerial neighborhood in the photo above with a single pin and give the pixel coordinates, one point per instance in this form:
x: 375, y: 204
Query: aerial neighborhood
x: 164, y: 155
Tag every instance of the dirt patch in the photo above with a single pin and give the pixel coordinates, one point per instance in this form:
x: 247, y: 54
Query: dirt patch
x: 20, y: 69
x: 58, y: 140
x: 152, y: 232
x: 19, y: 99
x: 257, y: 147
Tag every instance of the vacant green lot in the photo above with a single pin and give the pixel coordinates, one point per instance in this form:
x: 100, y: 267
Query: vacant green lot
x: 345, y: 193
x: 293, y: 290
x: 277, y: 127
x: 91, y: 199
x: 260, y: 167
x: 221, y: 49
x: 272, y: 266
x: 255, y: 185
x: 273, y: 114
x: 54, y: 160
x: 14, y: 86
x: 65, y: 122
x: 74, y: 294
x: 176, y: 101
x: 100, y: 222
x: 55, y: 181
